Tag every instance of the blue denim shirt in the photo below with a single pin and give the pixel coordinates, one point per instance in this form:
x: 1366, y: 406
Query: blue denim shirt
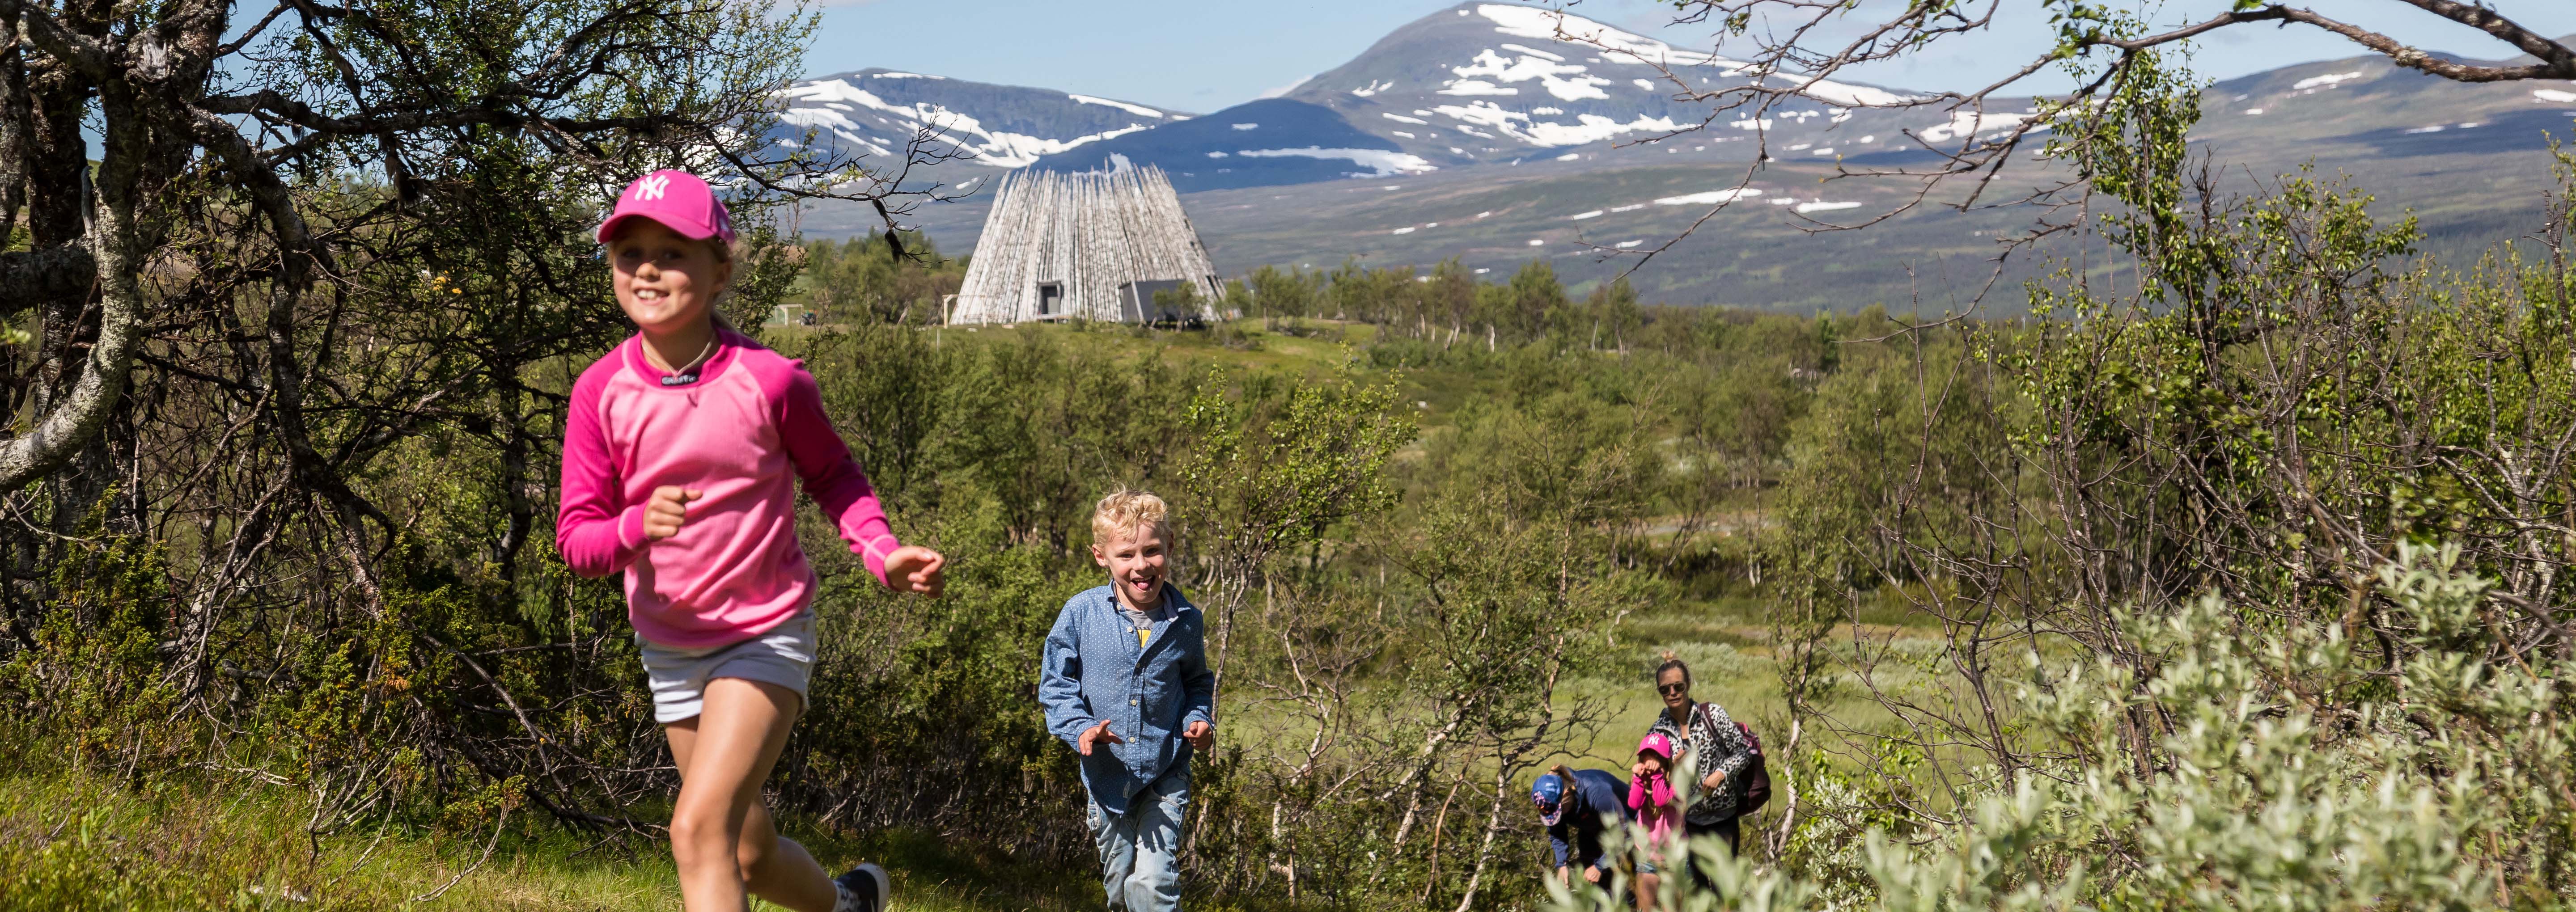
x: 1093, y: 670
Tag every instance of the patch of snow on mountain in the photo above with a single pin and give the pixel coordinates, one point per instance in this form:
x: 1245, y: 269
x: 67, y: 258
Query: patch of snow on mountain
x: 1536, y: 242
x: 1403, y: 134
x: 1642, y: 84
x: 1570, y: 156
x: 2254, y: 111
x: 1628, y: 48
x: 1849, y: 95
x: 1546, y: 112
x: 2553, y: 96
x: 1216, y: 155
x: 1550, y: 25
x: 1375, y: 86
x: 1120, y: 105
x: 1710, y: 198
x: 1399, y: 118
x: 1592, y: 128
x: 1588, y: 128
x: 817, y: 118
x: 1385, y: 162
x: 1476, y: 87
x: 1482, y: 113
x: 1579, y: 216
x: 1623, y: 245
x: 1821, y: 206
x: 2436, y: 128
x: 1247, y: 126
x: 1567, y: 81
x: 1967, y: 123
x: 1828, y: 150
x: 1534, y: 52
x: 1631, y: 207
x: 992, y: 147
x: 1783, y: 201
x: 2328, y: 79
x: 1406, y: 230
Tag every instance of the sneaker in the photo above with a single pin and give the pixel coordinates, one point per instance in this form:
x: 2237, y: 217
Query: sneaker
x: 864, y: 889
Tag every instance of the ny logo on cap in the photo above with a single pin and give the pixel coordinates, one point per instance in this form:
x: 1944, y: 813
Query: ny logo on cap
x: 651, y: 188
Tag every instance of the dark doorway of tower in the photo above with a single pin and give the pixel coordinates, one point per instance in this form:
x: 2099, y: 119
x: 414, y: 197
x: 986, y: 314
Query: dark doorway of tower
x: 1050, y: 299
x: 1150, y: 302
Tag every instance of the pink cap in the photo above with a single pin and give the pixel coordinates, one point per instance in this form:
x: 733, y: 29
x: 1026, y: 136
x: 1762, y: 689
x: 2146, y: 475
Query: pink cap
x: 1656, y: 742
x: 677, y: 199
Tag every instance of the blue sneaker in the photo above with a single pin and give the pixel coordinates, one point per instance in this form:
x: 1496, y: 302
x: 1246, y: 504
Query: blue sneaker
x: 864, y: 889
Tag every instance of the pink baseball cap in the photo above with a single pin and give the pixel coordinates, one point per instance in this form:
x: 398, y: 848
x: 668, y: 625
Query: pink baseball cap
x: 679, y: 200
x: 1656, y: 743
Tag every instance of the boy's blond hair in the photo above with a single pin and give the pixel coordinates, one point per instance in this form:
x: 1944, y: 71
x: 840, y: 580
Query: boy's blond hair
x: 1124, y: 512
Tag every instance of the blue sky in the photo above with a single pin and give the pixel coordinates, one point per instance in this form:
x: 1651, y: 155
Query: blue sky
x: 1202, y: 55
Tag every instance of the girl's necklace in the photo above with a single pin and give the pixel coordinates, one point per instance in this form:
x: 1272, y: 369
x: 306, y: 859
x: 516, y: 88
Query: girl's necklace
x: 689, y: 373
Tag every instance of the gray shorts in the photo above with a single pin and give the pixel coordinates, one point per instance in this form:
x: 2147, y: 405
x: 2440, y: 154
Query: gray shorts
x: 783, y: 656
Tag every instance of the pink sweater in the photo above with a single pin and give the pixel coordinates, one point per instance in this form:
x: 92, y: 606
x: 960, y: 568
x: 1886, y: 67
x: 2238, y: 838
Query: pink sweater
x: 734, y: 570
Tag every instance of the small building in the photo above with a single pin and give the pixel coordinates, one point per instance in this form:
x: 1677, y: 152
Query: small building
x: 1091, y: 246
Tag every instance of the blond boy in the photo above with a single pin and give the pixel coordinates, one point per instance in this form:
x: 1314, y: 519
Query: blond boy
x: 1125, y: 682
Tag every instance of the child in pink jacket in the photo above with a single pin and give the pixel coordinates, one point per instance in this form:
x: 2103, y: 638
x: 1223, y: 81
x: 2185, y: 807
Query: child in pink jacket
x: 681, y: 458
x: 1657, y: 809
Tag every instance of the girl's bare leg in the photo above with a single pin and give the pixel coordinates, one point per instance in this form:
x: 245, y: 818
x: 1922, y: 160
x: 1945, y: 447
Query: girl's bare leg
x: 1647, y: 885
x: 724, y: 840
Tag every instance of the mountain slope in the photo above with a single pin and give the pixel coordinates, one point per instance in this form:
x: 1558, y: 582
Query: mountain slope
x: 877, y: 112
x: 2469, y: 161
x: 1271, y: 141
x: 1487, y: 83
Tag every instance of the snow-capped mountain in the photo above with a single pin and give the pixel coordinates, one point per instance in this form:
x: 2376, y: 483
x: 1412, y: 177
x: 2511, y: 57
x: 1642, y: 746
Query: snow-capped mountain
x: 877, y: 112
x: 1487, y: 82
x: 1499, y: 133
x: 1483, y: 79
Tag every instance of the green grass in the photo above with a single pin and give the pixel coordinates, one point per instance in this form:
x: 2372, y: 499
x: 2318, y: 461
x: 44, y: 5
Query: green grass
x: 72, y: 840
x: 75, y: 840
x: 1727, y: 644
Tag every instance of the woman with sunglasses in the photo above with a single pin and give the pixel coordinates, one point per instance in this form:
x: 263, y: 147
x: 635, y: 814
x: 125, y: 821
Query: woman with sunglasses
x: 1711, y: 747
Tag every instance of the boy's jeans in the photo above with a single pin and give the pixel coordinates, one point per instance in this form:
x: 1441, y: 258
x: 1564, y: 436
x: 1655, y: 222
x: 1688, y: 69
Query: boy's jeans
x: 1140, y: 849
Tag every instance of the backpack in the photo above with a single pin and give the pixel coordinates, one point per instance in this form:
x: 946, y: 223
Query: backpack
x: 1757, y: 780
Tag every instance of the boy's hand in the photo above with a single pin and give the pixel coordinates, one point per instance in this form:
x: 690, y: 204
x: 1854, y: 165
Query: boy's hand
x: 913, y: 568
x: 1202, y: 736
x: 1095, y: 734
x: 668, y: 508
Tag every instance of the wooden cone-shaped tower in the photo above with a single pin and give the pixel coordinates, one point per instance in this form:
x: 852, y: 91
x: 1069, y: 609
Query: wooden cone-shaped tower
x: 1090, y: 246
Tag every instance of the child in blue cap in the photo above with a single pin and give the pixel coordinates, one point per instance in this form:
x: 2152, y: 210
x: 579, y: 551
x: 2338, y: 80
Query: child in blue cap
x: 1578, y: 806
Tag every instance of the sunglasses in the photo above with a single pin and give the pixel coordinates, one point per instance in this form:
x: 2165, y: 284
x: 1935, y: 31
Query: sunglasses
x: 1670, y: 689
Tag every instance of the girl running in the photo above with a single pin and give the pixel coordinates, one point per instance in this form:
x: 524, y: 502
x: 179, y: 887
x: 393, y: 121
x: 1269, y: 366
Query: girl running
x: 676, y: 466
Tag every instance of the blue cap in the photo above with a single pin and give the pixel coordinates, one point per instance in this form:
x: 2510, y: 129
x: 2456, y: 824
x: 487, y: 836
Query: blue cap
x: 1549, y: 793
